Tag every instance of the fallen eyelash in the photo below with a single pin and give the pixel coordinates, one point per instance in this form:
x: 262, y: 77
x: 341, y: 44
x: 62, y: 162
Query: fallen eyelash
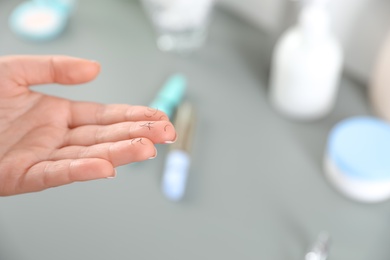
x: 151, y: 109
x: 148, y: 125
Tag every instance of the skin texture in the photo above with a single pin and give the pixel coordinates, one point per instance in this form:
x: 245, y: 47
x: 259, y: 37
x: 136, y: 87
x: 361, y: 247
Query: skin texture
x: 47, y: 141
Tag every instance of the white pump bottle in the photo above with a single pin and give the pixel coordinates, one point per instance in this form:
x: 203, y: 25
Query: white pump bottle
x: 306, y: 66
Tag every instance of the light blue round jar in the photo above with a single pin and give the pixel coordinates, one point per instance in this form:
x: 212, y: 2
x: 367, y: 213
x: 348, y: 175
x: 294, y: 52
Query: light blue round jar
x: 39, y: 20
x: 357, y: 159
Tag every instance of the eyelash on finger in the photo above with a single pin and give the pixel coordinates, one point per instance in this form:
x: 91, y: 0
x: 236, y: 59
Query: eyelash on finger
x: 151, y: 109
x: 139, y: 140
x: 148, y: 125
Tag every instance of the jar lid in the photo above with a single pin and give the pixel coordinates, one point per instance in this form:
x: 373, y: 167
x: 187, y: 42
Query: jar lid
x: 37, y: 21
x: 67, y: 5
x: 360, y: 148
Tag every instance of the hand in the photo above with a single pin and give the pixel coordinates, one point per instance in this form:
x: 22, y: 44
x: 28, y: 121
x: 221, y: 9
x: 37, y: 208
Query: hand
x: 47, y: 141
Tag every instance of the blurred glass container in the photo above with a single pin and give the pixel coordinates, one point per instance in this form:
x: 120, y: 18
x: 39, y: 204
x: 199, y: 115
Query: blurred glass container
x: 181, y: 25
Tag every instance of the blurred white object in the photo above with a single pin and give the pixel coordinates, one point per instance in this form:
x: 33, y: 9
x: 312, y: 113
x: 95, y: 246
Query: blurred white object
x: 178, y: 160
x: 175, y: 175
x: 360, y: 25
x: 306, y: 66
x: 356, y: 159
x: 320, y: 249
x: 181, y: 25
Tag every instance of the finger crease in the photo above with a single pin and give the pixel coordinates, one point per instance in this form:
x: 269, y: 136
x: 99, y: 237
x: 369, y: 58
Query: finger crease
x: 109, y: 153
x: 100, y: 114
x: 98, y: 136
x: 82, y: 152
x: 129, y: 114
x: 45, y: 172
x: 70, y: 176
x: 52, y: 70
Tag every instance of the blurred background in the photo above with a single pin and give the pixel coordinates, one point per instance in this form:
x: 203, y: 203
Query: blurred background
x: 360, y: 25
x: 256, y: 187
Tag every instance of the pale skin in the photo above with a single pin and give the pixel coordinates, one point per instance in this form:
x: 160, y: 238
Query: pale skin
x: 47, y: 141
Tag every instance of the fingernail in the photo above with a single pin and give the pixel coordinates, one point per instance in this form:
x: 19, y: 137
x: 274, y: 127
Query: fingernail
x: 113, y: 176
x: 172, y: 141
x: 154, y: 156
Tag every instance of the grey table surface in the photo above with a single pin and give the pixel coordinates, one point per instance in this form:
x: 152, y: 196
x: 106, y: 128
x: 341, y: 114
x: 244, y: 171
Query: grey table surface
x: 256, y: 188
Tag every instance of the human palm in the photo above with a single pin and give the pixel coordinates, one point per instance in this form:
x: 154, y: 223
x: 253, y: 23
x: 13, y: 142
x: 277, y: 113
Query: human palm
x: 47, y: 141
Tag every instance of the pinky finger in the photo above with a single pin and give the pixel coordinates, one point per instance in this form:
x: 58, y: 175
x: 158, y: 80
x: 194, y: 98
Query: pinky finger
x: 50, y: 174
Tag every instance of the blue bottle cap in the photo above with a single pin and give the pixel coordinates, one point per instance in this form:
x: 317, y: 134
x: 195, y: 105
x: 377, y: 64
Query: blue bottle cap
x: 38, y: 21
x: 360, y: 148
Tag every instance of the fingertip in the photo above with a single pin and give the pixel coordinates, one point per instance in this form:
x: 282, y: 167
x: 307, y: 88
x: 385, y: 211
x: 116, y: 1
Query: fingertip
x: 151, y: 113
x: 96, y: 65
x: 145, y: 149
x: 113, y: 175
x: 168, y: 135
x: 164, y: 117
x: 94, y: 69
x: 80, y: 71
x: 172, y: 140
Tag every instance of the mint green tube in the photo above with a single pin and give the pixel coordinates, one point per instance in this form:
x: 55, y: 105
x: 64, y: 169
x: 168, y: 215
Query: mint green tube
x: 170, y: 95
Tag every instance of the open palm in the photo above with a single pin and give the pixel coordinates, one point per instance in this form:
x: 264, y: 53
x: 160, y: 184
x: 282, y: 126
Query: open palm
x: 47, y: 141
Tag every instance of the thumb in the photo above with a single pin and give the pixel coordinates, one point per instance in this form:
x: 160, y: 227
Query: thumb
x: 32, y: 70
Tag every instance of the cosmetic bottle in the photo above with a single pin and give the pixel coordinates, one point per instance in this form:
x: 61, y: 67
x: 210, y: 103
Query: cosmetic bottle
x: 379, y: 85
x: 181, y: 25
x: 170, y: 95
x: 178, y: 160
x: 356, y: 159
x: 306, y: 65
